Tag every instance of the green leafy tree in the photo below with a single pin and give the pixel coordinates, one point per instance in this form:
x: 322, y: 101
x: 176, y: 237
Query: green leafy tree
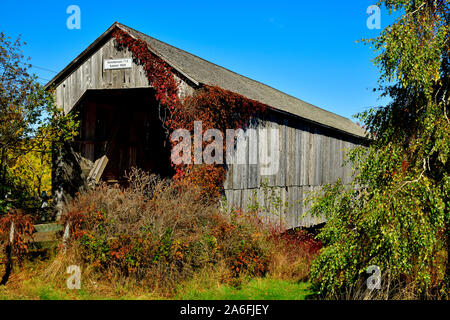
x: 30, y: 125
x: 395, y: 213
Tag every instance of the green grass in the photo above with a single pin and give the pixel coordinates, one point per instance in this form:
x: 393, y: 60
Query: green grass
x: 27, y: 283
x: 38, y: 290
x: 256, y: 289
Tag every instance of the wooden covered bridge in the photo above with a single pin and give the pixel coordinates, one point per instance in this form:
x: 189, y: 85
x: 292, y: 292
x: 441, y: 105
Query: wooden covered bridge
x: 121, y: 128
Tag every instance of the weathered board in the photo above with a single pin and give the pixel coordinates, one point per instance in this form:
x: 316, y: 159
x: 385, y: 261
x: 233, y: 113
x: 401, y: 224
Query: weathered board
x: 47, y: 232
x: 309, y: 157
x: 92, y: 75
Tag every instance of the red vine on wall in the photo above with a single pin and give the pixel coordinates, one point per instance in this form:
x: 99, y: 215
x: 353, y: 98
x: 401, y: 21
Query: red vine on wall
x: 213, y: 106
x: 159, y: 73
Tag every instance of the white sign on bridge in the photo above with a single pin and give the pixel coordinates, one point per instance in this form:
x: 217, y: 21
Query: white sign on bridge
x: 117, y: 64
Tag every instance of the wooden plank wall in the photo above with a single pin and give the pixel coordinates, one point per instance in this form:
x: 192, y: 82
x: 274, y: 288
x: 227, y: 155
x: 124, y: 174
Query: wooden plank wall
x: 309, y: 157
x: 91, y: 75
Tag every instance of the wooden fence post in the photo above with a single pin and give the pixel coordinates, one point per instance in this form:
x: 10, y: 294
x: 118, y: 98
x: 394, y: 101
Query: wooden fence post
x: 66, y: 236
x: 11, y: 233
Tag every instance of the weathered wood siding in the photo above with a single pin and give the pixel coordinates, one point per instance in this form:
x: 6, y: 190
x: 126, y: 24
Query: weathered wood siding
x: 91, y: 75
x: 309, y: 157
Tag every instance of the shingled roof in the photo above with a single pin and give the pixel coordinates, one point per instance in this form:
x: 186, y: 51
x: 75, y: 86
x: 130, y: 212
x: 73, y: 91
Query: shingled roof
x: 200, y: 71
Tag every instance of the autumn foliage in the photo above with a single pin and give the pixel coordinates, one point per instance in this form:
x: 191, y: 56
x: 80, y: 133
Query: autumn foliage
x: 23, y: 230
x: 214, y: 107
x: 157, y: 233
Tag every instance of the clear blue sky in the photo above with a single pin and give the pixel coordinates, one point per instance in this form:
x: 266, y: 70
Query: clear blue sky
x: 304, y: 48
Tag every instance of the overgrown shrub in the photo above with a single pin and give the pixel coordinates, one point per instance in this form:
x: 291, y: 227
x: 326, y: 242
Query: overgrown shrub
x: 23, y: 229
x: 158, y: 233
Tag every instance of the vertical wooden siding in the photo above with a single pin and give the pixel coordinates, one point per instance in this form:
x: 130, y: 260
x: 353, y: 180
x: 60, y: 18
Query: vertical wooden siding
x: 309, y: 157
